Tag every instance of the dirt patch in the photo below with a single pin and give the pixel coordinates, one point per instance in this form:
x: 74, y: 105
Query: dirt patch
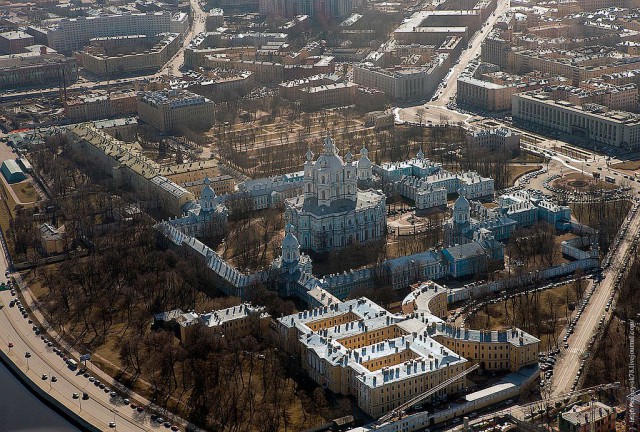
x: 517, y: 171
x: 631, y: 165
x: 25, y: 192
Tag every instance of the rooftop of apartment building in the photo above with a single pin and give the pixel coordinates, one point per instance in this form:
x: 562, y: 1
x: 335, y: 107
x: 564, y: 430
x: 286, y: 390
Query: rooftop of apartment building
x: 172, y: 98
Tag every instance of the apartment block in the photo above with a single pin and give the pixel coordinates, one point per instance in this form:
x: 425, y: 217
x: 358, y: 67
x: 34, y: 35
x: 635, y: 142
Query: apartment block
x: 38, y: 66
x: 169, y: 110
x: 15, y: 42
x: 73, y: 34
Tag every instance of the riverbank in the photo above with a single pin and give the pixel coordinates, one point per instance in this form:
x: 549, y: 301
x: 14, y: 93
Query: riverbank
x: 44, y: 397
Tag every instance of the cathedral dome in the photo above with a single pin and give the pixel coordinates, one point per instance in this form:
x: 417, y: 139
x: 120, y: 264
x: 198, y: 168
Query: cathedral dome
x: 461, y: 204
x: 290, y: 241
x: 364, y: 162
x: 329, y: 162
x: 290, y: 246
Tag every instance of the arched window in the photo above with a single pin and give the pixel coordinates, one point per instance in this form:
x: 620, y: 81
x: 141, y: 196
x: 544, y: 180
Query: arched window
x: 349, y: 188
x: 348, y: 174
x: 323, y: 195
x: 308, y: 187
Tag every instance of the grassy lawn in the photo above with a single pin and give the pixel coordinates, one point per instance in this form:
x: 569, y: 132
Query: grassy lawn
x: 25, y: 191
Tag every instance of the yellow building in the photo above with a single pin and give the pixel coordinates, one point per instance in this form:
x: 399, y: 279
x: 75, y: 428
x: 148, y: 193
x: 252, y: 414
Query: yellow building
x: 129, y: 167
x: 384, y: 360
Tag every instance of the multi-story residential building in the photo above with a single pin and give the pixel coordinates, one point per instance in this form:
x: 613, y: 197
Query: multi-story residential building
x: 404, y: 83
x: 578, y: 65
x: 484, y: 94
x: 339, y: 94
x: 496, y: 139
x: 434, y: 26
x: 38, y: 66
x: 589, y: 123
x: 73, y: 34
x: 104, y: 62
x: 327, y: 9
x: 215, y: 19
x: 496, y: 50
x: 101, y: 106
x: 263, y: 71
x: 333, y: 212
x: 15, y: 42
x: 169, y: 110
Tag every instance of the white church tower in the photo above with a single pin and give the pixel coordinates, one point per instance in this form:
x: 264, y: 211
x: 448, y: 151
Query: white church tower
x: 462, y: 208
x: 364, y: 165
x: 290, y: 247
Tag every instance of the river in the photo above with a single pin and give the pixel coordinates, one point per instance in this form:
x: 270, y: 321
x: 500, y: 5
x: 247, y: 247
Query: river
x: 22, y: 411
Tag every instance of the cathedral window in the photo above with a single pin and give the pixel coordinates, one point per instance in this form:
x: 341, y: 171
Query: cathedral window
x: 323, y: 193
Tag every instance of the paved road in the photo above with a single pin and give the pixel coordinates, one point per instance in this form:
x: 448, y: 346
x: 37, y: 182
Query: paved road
x: 569, y: 361
x: 172, y: 67
x: 98, y: 410
x: 435, y: 110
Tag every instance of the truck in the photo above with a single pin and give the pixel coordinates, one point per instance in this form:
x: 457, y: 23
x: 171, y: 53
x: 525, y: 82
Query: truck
x: 72, y: 364
x: 609, y: 179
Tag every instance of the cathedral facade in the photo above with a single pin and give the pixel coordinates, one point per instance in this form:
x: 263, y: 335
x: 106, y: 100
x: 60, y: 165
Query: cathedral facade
x: 332, y: 212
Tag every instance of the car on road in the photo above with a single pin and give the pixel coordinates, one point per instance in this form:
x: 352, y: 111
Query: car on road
x: 76, y: 395
x: 126, y: 401
x: 45, y: 376
x: 10, y: 344
x: 54, y: 378
x: 112, y: 424
x: 27, y: 354
x: 85, y: 396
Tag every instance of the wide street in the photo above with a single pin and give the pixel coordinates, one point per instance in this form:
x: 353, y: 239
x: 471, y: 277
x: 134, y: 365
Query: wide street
x: 435, y: 110
x: 98, y: 409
